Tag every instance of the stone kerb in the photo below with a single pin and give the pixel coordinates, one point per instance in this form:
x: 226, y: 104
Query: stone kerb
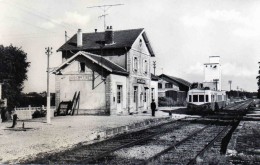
x: 131, y: 127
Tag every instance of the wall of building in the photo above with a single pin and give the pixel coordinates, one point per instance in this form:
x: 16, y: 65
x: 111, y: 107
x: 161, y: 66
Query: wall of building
x: 139, y: 82
x: 154, y: 86
x: 161, y: 91
x: 90, y: 84
x: 212, y: 72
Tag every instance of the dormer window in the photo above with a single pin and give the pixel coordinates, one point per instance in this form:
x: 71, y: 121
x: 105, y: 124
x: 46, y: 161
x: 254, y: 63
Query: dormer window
x: 140, y: 42
x: 82, y: 67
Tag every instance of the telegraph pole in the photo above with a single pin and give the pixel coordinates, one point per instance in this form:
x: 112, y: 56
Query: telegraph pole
x: 154, y: 66
x: 48, y: 115
x: 104, y: 8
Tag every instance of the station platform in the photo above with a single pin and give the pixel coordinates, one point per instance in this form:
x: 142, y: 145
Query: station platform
x: 253, y: 114
x: 31, y: 137
x: 244, y: 146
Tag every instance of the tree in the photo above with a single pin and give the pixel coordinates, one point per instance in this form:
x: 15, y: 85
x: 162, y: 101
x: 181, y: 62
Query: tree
x: 13, y: 70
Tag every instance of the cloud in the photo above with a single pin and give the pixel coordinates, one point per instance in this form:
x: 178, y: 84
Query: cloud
x: 229, y: 69
x: 76, y: 18
x: 241, y: 25
x: 195, y: 69
x: 205, y: 18
x: 71, y: 19
x: 194, y: 21
x: 246, y: 32
x: 226, y: 15
x: 47, y: 25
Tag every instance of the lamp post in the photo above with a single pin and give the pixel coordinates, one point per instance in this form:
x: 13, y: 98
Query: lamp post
x: 48, y: 115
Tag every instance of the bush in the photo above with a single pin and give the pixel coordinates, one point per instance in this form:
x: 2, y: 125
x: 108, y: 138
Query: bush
x: 37, y: 114
x: 167, y: 101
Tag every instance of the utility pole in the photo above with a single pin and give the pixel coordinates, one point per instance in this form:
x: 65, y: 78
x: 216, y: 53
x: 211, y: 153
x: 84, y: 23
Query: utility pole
x: 48, y: 115
x: 230, y: 82
x: 104, y: 8
x: 154, y: 66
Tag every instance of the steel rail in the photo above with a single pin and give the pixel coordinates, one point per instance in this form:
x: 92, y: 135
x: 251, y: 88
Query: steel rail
x: 134, y: 141
x: 176, y: 144
x: 94, y: 152
x: 193, y: 161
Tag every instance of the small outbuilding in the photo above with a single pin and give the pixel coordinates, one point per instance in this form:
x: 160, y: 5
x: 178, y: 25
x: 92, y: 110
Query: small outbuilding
x: 172, y: 90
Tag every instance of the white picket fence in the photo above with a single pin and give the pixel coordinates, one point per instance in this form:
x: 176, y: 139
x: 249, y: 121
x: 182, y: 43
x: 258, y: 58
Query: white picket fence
x: 25, y: 113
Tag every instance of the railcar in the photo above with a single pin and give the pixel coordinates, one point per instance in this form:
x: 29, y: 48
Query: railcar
x: 201, y: 98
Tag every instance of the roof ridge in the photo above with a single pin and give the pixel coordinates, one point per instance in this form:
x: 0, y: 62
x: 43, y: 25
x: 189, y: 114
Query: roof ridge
x: 177, y: 78
x: 114, y: 31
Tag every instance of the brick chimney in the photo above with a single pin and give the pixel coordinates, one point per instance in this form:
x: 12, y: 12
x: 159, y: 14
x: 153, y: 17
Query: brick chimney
x: 109, y: 35
x: 79, y: 38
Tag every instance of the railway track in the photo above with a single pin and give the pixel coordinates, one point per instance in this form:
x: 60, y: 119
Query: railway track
x: 232, y: 111
x: 176, y: 136
x: 239, y: 106
x: 177, y: 142
x: 90, y: 153
x: 190, y: 148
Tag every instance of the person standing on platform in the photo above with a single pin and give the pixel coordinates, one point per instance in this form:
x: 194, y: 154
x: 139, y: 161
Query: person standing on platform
x: 15, y: 117
x: 153, y: 107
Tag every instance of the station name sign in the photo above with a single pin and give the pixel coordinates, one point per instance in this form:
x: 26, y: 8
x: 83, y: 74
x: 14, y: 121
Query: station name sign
x: 88, y: 77
x: 141, y: 81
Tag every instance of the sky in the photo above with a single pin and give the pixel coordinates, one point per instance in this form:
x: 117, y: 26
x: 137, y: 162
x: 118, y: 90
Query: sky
x: 183, y: 34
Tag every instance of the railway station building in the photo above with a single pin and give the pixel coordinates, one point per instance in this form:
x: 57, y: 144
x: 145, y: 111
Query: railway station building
x: 108, y: 72
x: 173, y: 88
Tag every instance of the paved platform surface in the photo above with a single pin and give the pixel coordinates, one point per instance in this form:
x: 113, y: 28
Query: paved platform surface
x: 65, y: 131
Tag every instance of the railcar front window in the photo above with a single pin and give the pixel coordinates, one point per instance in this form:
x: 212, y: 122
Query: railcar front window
x: 207, y: 98
x: 201, y: 98
x: 195, y: 98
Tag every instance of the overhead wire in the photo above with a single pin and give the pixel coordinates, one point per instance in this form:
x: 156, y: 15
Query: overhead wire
x: 41, y: 15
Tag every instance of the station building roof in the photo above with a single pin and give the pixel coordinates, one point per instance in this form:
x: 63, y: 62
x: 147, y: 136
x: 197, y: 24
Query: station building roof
x: 122, y: 39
